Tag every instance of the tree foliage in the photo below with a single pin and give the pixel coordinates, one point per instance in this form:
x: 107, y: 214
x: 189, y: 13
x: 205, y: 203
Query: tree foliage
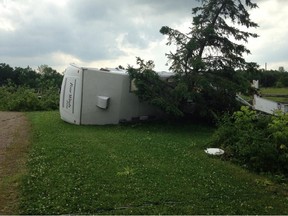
x: 24, y: 89
x: 267, y: 78
x: 273, y: 78
x: 50, y: 78
x: 46, y: 77
x: 209, y: 46
x: 157, y: 91
x: 207, y: 59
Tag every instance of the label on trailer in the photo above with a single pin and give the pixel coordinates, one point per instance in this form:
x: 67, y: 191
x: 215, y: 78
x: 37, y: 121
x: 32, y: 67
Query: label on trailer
x: 68, y: 102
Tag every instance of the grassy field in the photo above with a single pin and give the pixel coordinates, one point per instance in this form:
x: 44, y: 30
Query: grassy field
x: 283, y: 91
x: 276, y: 94
x: 150, y: 168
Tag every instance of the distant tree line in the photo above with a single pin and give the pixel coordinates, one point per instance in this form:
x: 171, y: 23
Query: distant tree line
x: 268, y: 78
x: 24, y: 89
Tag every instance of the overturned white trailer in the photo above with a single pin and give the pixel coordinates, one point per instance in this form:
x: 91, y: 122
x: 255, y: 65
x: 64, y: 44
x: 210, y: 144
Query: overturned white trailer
x: 91, y: 96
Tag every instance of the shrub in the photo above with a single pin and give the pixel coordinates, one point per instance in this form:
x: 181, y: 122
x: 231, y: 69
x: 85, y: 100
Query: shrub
x: 278, y: 129
x: 255, y: 140
x: 50, y: 99
x: 4, y: 95
x: 26, y: 99
x: 23, y: 99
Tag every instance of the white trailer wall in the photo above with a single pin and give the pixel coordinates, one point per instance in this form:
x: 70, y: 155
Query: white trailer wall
x: 70, y: 96
x: 100, y: 97
x: 100, y: 84
x: 268, y: 106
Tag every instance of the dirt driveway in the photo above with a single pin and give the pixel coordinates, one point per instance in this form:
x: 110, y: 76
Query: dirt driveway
x: 14, y: 141
x: 9, y: 123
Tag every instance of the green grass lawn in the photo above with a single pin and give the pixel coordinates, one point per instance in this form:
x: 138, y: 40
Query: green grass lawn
x: 278, y: 92
x: 283, y: 91
x: 151, y: 168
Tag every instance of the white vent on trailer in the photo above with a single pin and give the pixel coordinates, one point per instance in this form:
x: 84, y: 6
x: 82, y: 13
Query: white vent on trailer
x: 102, y: 102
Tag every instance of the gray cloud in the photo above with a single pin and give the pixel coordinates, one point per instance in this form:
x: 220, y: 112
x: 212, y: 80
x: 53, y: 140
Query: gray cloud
x: 90, y: 29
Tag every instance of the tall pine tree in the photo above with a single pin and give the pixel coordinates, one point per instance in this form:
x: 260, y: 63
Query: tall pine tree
x: 207, y: 59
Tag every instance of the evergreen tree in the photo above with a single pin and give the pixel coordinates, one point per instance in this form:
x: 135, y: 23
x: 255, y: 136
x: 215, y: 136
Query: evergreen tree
x: 207, y: 59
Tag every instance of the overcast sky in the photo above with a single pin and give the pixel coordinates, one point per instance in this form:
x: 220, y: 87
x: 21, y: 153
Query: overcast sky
x: 108, y: 33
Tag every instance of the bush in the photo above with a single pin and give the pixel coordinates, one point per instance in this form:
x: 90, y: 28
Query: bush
x: 26, y: 99
x: 278, y: 129
x: 23, y: 99
x: 255, y: 140
x: 50, y: 99
x: 4, y: 95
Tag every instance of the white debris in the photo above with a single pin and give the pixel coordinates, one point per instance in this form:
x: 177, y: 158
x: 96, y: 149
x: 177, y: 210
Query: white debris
x: 214, y: 151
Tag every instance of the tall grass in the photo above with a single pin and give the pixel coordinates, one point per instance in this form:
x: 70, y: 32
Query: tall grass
x: 153, y: 168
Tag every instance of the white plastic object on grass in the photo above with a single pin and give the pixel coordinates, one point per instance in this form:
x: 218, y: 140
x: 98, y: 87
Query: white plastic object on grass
x: 214, y: 151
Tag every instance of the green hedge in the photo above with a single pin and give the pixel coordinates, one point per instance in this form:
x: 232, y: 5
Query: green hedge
x: 255, y: 140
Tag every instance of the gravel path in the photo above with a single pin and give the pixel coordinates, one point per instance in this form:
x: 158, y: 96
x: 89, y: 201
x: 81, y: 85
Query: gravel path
x: 14, y: 141
x: 10, y: 124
